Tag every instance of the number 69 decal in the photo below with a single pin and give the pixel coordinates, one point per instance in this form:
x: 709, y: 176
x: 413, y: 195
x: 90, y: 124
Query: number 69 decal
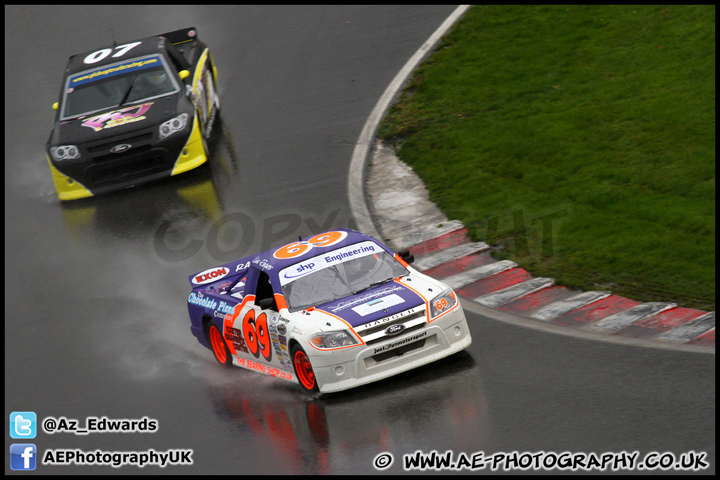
x: 101, y: 54
x: 297, y: 249
x: 257, y: 337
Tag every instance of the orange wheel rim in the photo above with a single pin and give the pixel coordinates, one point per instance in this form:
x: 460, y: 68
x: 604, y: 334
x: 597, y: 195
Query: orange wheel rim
x: 304, y: 370
x: 217, y: 344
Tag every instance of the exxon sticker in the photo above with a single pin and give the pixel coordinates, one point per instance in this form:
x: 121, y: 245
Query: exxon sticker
x: 210, y: 275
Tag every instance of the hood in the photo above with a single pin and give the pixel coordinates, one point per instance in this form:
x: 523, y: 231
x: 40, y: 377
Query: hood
x: 115, y: 121
x: 373, y: 304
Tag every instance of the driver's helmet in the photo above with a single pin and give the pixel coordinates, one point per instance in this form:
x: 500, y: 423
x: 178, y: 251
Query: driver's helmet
x: 359, y: 267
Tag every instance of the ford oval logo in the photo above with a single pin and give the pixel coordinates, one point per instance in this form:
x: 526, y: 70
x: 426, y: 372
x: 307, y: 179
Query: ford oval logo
x: 120, y: 148
x: 394, y: 329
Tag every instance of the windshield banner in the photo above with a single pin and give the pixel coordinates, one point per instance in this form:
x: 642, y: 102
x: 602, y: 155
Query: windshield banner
x: 111, y: 71
x: 325, y: 260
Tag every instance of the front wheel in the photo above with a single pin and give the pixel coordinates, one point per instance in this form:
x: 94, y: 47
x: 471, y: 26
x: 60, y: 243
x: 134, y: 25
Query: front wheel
x: 219, y: 348
x: 303, y: 370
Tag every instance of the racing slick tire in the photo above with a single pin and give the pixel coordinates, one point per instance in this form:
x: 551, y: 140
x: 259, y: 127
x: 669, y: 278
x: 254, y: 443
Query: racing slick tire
x: 303, y: 370
x: 219, y: 348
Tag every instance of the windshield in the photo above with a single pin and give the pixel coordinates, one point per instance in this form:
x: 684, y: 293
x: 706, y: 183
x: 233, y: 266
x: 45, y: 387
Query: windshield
x: 116, y: 85
x: 338, y: 274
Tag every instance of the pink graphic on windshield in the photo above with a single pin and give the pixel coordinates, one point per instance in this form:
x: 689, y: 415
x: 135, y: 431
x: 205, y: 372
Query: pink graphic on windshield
x: 117, y: 117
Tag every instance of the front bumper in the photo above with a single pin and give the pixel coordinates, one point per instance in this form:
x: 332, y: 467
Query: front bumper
x: 351, y: 367
x: 105, y: 173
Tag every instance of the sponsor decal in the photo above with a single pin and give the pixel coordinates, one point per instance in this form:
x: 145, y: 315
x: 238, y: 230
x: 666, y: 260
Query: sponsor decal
x: 365, y: 297
x: 283, y: 340
x: 335, y: 257
x: 102, y: 73
x: 201, y: 301
x: 390, y: 346
x: 210, y: 275
x: 378, y: 304
x: 226, y: 308
x: 235, y: 336
x: 281, y: 329
x: 275, y: 372
x: 117, y: 118
x: 387, y: 319
x: 242, y: 266
x: 262, y: 263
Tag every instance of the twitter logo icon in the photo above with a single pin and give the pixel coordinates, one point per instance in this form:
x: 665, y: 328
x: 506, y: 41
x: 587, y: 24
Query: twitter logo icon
x: 23, y: 425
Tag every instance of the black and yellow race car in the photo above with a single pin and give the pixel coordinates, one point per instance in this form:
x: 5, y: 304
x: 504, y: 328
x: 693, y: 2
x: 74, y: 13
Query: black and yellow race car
x: 133, y: 113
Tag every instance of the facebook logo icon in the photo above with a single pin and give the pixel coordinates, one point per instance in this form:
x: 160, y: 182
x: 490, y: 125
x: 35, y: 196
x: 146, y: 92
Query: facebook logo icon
x: 23, y: 425
x: 23, y: 456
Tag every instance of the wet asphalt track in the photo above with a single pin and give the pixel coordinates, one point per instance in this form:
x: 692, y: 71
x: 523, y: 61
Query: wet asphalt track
x: 95, y: 315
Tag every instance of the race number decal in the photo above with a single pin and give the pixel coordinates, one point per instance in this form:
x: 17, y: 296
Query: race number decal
x: 441, y: 304
x: 257, y: 337
x: 101, y: 54
x: 297, y: 249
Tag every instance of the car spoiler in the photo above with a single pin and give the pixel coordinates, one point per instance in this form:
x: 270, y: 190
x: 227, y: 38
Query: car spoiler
x: 181, y: 36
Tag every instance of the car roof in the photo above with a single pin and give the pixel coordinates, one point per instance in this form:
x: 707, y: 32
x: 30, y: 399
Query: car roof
x: 147, y: 46
x: 267, y: 262
x: 352, y: 236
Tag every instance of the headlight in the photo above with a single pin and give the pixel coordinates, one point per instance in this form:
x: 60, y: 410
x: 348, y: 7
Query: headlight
x: 173, y: 125
x: 333, y: 339
x: 443, y: 302
x: 64, y: 152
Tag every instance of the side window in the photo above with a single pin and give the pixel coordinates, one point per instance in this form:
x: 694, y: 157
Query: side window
x: 177, y: 59
x: 264, y: 296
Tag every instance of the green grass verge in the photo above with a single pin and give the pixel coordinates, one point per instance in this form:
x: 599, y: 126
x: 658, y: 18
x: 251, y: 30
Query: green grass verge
x: 578, y: 140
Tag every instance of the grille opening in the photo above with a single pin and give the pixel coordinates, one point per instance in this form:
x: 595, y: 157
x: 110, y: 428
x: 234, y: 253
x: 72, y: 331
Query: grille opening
x: 397, y: 352
x: 383, y: 326
x: 387, y: 337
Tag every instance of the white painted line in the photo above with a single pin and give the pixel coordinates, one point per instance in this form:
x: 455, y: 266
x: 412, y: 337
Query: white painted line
x: 561, y: 307
x: 434, y: 259
x: 617, y: 321
x: 429, y: 233
x: 465, y: 278
x: 688, y: 331
x: 513, y: 292
x: 356, y: 176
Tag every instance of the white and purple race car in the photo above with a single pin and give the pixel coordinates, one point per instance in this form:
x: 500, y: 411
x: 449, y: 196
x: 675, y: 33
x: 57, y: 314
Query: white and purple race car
x: 332, y: 312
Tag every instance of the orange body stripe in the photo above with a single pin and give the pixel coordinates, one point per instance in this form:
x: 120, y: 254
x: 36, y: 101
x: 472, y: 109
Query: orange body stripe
x: 280, y: 301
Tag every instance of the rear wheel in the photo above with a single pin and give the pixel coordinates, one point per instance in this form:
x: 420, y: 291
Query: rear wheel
x: 219, y: 348
x: 303, y: 370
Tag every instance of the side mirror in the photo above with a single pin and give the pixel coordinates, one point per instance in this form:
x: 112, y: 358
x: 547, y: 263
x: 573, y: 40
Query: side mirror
x: 406, y: 256
x: 56, y: 105
x: 266, y: 303
x: 183, y: 74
